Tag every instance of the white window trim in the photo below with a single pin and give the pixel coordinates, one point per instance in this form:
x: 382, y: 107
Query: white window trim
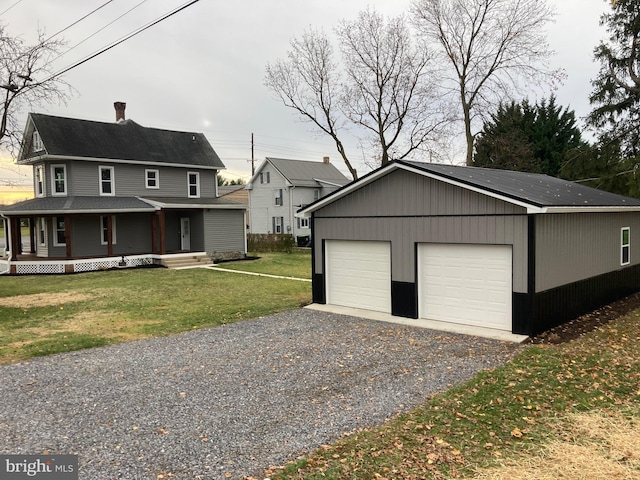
x: 53, y: 180
x: 279, y: 197
x: 55, y: 233
x: 146, y: 179
x: 40, y: 185
x: 103, y: 227
x: 303, y: 223
x: 197, y: 184
x: 112, y: 180
x: 42, y: 231
x: 623, y: 246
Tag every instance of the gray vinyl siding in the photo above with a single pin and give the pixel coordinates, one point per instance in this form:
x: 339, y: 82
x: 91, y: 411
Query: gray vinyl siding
x: 407, y: 209
x: 573, y: 247
x: 196, y: 219
x: 224, y: 231
x: 130, y: 180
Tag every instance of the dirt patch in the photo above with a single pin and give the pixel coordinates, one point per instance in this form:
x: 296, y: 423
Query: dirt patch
x: 43, y: 299
x: 593, y: 445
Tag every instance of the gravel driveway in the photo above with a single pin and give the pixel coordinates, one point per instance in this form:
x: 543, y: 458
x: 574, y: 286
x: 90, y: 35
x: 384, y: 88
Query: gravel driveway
x: 229, y: 401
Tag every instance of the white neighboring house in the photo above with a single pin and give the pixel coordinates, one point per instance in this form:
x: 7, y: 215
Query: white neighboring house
x: 280, y: 187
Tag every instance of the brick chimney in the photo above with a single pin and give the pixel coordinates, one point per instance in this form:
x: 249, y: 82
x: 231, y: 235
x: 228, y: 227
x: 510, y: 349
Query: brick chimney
x: 325, y: 159
x: 119, y: 106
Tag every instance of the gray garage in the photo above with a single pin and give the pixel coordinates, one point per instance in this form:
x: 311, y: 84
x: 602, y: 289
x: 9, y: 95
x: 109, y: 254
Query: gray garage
x: 506, y: 250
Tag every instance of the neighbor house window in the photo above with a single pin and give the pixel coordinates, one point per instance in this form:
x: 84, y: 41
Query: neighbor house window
x: 303, y: 223
x: 107, y: 186
x: 316, y: 195
x: 625, y: 246
x: 59, y: 179
x: 277, y: 224
x: 152, y: 178
x: 37, y: 142
x: 39, y: 181
x: 193, y: 184
x: 42, y: 231
x: 60, y: 238
x: 104, y: 221
x: 265, y: 177
x: 279, y: 197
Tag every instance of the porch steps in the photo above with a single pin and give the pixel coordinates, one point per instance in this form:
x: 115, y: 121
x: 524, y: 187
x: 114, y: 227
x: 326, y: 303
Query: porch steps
x: 189, y: 261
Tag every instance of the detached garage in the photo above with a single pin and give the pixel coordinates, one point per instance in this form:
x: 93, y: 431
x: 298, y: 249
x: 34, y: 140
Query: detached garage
x: 505, y: 250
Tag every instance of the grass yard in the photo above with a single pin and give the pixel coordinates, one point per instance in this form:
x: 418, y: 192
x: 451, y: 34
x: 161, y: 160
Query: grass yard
x: 556, y: 411
x: 296, y: 264
x: 40, y: 315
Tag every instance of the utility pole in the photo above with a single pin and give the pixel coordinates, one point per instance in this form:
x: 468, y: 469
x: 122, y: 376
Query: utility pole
x: 253, y: 168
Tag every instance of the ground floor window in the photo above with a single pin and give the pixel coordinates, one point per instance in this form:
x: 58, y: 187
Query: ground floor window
x: 104, y: 240
x: 42, y: 231
x: 277, y: 224
x: 625, y: 246
x: 60, y: 235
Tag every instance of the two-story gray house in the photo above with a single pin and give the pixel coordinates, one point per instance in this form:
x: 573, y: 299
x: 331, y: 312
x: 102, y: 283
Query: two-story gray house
x: 280, y: 187
x: 118, y: 194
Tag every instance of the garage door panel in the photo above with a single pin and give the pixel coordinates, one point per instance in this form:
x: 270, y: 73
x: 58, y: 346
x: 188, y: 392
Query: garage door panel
x: 358, y: 274
x: 468, y: 284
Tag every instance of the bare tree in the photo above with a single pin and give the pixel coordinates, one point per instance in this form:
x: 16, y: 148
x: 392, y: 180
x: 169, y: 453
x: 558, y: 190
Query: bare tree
x: 309, y: 82
x: 27, y: 80
x: 383, y: 86
x: 493, y: 47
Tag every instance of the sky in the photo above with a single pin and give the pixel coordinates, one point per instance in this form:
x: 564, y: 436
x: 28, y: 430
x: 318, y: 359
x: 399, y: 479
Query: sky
x: 202, y: 69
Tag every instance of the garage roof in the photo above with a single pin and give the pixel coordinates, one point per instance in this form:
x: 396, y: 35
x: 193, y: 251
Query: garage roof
x: 536, y: 192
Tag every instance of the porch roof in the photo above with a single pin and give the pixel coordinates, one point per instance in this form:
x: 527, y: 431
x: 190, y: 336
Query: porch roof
x: 195, y: 203
x: 69, y: 205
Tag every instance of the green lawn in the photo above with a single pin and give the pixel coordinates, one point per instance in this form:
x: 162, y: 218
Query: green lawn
x: 49, y: 314
x: 297, y: 264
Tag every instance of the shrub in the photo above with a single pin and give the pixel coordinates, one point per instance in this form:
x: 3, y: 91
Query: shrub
x: 271, y: 242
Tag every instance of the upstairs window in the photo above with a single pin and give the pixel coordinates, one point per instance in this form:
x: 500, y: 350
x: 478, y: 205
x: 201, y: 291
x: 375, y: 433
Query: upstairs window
x: 625, y: 246
x: 193, y: 184
x: 37, y: 142
x: 278, y: 197
x: 107, y: 186
x: 152, y: 178
x: 316, y: 195
x: 265, y: 177
x: 39, y: 175
x: 59, y: 179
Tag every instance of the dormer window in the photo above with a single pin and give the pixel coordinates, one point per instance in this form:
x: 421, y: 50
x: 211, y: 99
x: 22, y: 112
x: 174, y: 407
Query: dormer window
x: 37, y: 142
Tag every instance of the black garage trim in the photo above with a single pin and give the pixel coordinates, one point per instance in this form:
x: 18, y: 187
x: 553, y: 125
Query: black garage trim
x: 533, y: 314
x: 317, y: 288
x: 404, y: 299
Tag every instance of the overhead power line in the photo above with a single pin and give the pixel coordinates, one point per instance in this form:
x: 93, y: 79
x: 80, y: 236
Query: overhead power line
x: 10, y: 7
x: 77, y: 21
x: 99, y: 30
x: 123, y: 39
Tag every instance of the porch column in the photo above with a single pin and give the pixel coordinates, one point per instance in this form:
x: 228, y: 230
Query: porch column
x: 67, y: 234
x: 32, y: 234
x: 15, y: 244
x: 162, y: 228
x: 109, y: 236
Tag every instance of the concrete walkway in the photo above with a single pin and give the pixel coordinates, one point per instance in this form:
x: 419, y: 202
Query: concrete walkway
x: 219, y: 269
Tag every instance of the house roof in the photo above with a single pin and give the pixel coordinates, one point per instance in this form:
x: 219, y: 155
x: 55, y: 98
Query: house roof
x: 104, y: 205
x: 65, y: 205
x: 122, y: 141
x: 536, y: 192
x: 302, y: 173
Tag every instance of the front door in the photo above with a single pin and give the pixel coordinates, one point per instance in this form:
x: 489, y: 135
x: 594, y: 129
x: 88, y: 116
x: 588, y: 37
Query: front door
x: 185, y: 234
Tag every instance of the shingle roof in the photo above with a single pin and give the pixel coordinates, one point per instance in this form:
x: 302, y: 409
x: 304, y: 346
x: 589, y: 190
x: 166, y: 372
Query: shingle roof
x: 531, y: 188
x: 53, y: 205
x: 303, y: 173
x: 125, y: 140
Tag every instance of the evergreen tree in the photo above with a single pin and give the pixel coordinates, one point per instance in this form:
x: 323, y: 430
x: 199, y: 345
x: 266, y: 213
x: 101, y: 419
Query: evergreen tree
x: 525, y: 137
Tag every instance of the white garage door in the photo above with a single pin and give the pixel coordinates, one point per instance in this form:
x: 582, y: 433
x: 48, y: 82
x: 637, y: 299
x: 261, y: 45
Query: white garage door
x: 468, y: 284
x: 358, y: 274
